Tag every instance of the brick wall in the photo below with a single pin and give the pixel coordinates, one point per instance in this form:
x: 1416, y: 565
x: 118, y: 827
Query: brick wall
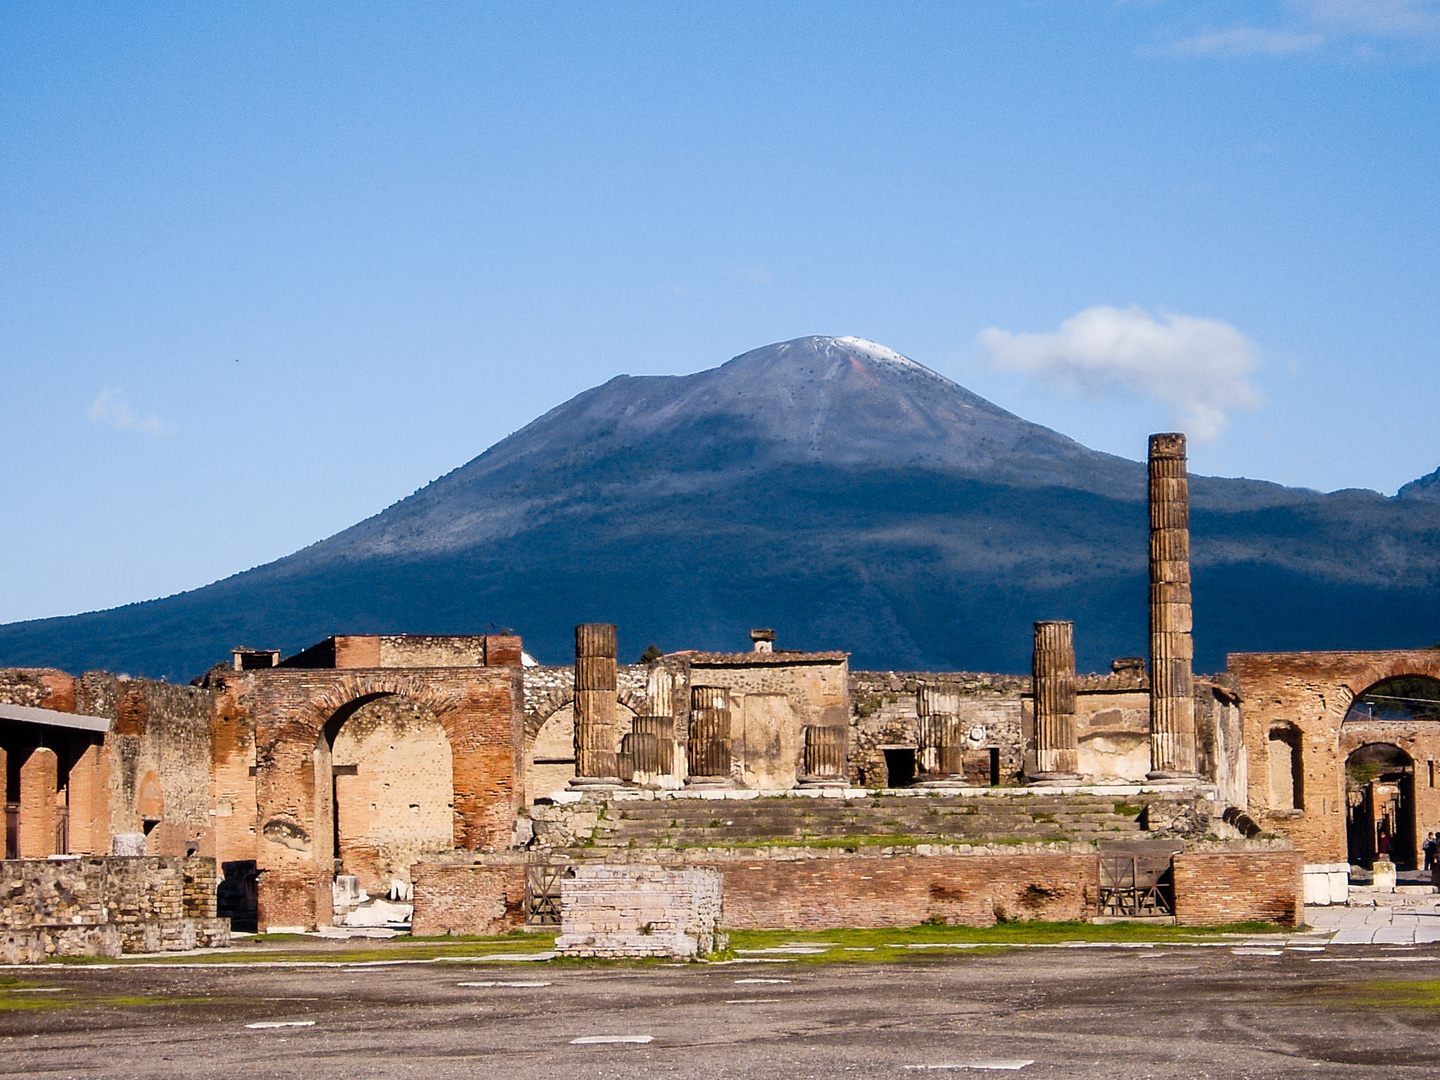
x: 467, y: 900
x: 861, y: 891
x: 1213, y: 888
x: 638, y: 910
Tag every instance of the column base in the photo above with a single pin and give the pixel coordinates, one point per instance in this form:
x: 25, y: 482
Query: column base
x: 712, y: 782
x: 597, y: 785
x: 1172, y: 774
x: 822, y: 782
x: 1052, y: 779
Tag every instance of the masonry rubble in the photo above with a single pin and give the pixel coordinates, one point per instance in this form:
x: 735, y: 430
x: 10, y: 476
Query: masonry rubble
x: 358, y: 766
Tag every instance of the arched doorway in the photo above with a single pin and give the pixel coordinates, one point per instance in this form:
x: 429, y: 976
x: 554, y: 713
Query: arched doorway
x: 1380, y: 805
x: 1402, y: 698
x: 391, y: 789
x: 550, y: 755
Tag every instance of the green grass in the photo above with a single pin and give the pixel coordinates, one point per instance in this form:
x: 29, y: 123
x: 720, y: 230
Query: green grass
x: 361, y: 950
x: 999, y: 935
x: 1394, y: 994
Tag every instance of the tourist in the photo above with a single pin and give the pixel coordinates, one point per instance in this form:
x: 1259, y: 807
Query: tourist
x: 1429, y: 849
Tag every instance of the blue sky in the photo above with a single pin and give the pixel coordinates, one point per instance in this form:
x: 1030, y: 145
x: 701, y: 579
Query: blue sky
x: 266, y: 269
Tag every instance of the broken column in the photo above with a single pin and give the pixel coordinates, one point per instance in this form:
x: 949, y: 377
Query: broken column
x: 1056, y: 751
x: 595, y: 705
x: 940, y: 752
x: 709, y: 742
x: 651, y: 742
x: 1172, y: 649
x: 824, y: 756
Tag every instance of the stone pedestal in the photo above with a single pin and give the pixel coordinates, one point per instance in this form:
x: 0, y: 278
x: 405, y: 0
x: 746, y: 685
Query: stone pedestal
x: 1384, y: 875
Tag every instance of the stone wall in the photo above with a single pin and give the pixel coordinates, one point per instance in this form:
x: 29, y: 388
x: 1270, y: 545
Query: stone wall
x: 107, y: 905
x: 157, y: 759
x: 1213, y: 888
x: 467, y: 900
x: 638, y: 910
x: 884, y: 715
x: 822, y: 888
x: 873, y: 891
x: 1310, y: 693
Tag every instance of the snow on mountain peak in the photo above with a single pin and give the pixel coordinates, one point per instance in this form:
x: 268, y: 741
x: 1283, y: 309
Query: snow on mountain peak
x: 874, y: 351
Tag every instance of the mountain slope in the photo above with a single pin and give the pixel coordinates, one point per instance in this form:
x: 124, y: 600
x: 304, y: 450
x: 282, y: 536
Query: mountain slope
x: 826, y: 486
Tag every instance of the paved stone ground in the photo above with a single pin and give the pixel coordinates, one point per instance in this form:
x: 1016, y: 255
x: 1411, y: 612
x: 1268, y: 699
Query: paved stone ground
x: 1285, y: 1007
x: 1413, y: 924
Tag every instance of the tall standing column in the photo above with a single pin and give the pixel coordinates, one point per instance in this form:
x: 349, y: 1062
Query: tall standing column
x: 1056, y: 751
x: 1172, y: 649
x: 595, y: 704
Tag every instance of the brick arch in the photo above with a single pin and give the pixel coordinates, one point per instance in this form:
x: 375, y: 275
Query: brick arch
x: 353, y: 691
x: 551, y: 703
x: 555, y: 700
x: 1363, y: 680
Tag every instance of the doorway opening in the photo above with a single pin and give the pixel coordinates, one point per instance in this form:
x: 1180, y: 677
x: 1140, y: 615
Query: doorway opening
x: 1380, y: 805
x: 899, y: 766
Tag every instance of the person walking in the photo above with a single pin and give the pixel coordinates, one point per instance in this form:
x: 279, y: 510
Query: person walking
x: 1429, y: 849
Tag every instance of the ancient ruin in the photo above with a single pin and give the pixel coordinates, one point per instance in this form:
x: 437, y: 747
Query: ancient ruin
x: 376, y: 779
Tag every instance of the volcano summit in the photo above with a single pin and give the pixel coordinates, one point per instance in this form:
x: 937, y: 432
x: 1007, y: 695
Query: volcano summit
x: 828, y: 487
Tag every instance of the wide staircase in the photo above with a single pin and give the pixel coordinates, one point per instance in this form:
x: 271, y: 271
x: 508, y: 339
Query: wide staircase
x: 882, y: 820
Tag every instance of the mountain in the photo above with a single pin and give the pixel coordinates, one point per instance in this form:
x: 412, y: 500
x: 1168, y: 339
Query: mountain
x: 828, y: 487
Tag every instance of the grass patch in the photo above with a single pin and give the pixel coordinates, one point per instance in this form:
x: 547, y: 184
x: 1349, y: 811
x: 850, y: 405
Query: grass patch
x: 1394, y: 994
x: 888, y: 943
x: 362, y: 950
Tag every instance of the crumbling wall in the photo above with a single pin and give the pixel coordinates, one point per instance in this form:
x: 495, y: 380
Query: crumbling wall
x: 394, y: 791
x: 103, y: 906
x: 884, y: 715
x: 158, y: 759
x: 467, y: 899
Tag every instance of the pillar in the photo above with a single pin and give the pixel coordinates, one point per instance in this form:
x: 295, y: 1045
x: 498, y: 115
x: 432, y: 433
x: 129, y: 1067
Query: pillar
x: 940, y: 755
x: 595, y: 704
x: 824, y: 761
x: 1172, y: 648
x: 1056, y: 751
x: 708, y: 747
x: 89, y: 805
x: 39, y: 783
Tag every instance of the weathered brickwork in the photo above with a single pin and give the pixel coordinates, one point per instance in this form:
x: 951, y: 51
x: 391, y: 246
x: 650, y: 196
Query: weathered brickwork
x: 92, y: 906
x: 468, y: 900
x: 817, y: 893
x: 1215, y: 888
x: 1311, y: 692
x: 639, y: 910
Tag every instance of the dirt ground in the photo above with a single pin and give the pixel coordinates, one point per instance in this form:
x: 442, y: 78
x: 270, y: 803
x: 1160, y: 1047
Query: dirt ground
x: 1153, y: 1011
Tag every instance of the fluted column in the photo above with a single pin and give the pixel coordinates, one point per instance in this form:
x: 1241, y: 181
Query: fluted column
x: 595, y: 703
x: 941, y: 751
x: 709, y: 743
x: 1056, y: 751
x: 1172, y: 648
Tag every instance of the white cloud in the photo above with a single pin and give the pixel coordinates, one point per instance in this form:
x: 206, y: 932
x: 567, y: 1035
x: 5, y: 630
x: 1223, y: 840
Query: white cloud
x: 112, y: 407
x: 1251, y: 41
x: 1199, y: 368
x: 1307, y: 26
x: 1378, y: 18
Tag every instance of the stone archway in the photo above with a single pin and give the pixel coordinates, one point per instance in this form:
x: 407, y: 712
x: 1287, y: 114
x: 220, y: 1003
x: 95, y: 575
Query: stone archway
x: 1380, y: 805
x: 391, y: 788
